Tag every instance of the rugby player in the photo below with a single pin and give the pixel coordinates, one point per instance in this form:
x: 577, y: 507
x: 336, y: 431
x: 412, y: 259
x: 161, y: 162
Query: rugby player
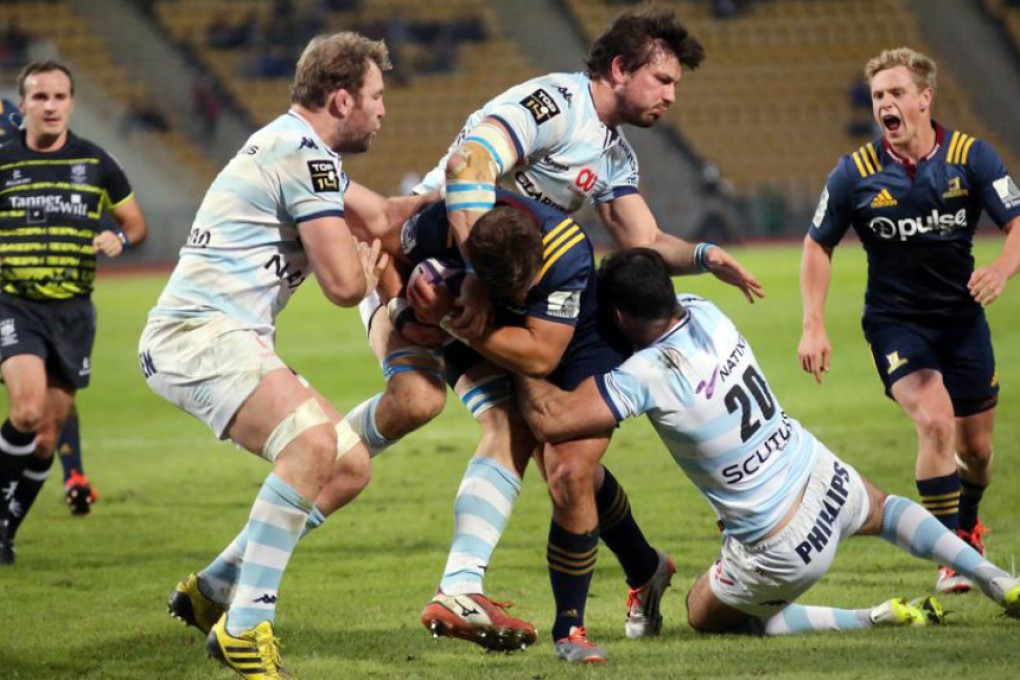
x: 784, y: 501
x: 273, y: 217
x: 914, y: 196
x: 557, y: 139
x: 57, y: 187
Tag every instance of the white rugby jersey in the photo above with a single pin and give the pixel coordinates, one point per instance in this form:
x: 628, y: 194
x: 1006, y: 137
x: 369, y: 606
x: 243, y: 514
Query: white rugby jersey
x: 713, y: 409
x: 566, y: 155
x: 243, y: 257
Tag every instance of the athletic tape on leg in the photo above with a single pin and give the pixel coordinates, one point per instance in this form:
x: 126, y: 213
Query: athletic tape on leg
x: 346, y: 439
x: 304, y: 417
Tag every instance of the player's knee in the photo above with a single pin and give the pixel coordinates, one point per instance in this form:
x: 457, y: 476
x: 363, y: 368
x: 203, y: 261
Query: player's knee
x: 419, y: 397
x: 568, y: 480
x: 27, y: 415
x: 976, y: 453
x: 935, y: 426
x: 356, y: 466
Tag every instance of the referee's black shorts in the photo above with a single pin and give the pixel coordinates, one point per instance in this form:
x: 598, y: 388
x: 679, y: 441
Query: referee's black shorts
x: 61, y: 332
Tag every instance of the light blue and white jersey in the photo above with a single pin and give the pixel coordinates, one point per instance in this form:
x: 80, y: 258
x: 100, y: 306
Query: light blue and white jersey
x: 710, y: 404
x: 566, y: 155
x: 243, y: 256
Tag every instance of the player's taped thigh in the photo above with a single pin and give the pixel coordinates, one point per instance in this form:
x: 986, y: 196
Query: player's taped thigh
x: 482, y: 394
x: 413, y: 358
x: 307, y: 415
x: 346, y: 438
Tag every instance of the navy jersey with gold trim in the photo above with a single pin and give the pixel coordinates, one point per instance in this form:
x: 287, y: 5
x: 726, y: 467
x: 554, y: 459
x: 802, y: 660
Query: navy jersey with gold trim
x: 51, y: 205
x: 917, y: 223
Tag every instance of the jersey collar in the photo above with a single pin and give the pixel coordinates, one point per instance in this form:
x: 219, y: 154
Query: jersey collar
x: 612, y: 135
x: 940, y: 135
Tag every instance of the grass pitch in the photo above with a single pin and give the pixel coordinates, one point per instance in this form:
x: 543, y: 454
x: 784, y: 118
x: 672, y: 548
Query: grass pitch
x: 86, y: 598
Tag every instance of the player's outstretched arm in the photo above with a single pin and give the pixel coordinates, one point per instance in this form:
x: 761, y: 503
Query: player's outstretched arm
x: 345, y: 271
x: 555, y: 415
x: 987, y: 283
x: 814, y: 350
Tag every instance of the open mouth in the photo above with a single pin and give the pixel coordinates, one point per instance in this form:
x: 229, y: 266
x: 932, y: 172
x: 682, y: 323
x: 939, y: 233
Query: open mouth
x: 891, y: 122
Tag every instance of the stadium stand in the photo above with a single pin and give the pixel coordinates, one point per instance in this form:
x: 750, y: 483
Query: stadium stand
x: 85, y: 53
x: 411, y: 142
x: 770, y: 104
x: 1008, y: 12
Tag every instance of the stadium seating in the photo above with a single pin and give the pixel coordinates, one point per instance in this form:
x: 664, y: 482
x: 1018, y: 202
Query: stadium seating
x: 411, y: 141
x: 86, y: 54
x: 770, y: 105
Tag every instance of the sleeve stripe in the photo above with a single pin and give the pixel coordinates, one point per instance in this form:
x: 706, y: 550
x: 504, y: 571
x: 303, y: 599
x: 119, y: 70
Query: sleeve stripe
x: 488, y: 147
x: 600, y: 382
x: 317, y: 215
x: 550, y: 246
x: 867, y: 161
x: 966, y: 150
x: 874, y: 155
x: 114, y: 206
x: 466, y: 186
x: 477, y: 205
x: 624, y: 191
x: 552, y: 260
x: 952, y: 146
x: 556, y: 230
x: 513, y: 136
x: 860, y: 167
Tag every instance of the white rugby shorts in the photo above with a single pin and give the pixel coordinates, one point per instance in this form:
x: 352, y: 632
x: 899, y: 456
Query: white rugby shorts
x: 761, y: 578
x: 206, y: 366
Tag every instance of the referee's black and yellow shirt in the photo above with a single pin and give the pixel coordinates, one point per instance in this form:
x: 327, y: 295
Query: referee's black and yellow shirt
x: 50, y: 210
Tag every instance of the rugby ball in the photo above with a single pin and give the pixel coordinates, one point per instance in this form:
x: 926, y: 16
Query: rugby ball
x: 438, y: 272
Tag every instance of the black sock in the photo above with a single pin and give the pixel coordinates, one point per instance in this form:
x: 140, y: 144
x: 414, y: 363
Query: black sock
x: 941, y: 497
x: 970, y: 499
x: 571, y: 559
x: 69, y: 446
x: 621, y: 534
x: 16, y: 449
x: 32, y: 479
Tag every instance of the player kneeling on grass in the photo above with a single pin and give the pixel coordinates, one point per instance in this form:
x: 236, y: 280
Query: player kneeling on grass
x: 784, y: 500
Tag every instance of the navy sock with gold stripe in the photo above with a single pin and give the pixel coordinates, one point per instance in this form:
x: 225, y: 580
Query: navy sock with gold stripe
x: 941, y: 497
x: 621, y: 533
x: 571, y: 559
x: 970, y: 499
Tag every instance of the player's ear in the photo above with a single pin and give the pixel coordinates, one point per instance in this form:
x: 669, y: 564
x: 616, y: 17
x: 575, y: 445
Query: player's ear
x: 927, y: 95
x: 343, y: 102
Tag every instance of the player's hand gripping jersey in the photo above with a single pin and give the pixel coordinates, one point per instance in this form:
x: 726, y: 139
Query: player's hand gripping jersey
x: 917, y: 222
x: 718, y: 417
x: 565, y: 154
x: 243, y: 256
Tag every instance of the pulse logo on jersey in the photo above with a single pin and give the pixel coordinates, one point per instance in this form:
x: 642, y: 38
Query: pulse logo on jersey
x: 883, y: 200
x: 914, y: 226
x: 324, y: 177
x: 541, y: 106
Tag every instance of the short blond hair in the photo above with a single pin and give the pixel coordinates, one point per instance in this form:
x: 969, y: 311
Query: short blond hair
x: 335, y: 62
x: 920, y: 66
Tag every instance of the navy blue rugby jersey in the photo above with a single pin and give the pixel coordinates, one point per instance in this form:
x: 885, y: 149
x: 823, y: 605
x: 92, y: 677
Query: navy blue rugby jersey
x: 565, y: 292
x: 10, y: 120
x: 917, y: 223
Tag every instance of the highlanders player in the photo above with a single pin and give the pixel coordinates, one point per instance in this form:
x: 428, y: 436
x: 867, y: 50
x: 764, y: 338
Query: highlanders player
x: 914, y: 197
x: 545, y: 324
x: 559, y: 140
x: 783, y: 499
x: 56, y: 187
x: 272, y: 217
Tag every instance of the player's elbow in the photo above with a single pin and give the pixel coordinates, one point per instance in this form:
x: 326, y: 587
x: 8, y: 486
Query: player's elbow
x: 345, y: 293
x: 537, y: 367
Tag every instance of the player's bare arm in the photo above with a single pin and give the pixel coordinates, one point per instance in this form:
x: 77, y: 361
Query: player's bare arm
x: 130, y: 222
x: 471, y: 176
x: 555, y: 415
x: 987, y: 283
x: 631, y: 224
x: 344, y: 272
x: 815, y: 350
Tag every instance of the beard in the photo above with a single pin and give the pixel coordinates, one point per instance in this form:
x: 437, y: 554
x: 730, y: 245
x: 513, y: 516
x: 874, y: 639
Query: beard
x: 355, y: 144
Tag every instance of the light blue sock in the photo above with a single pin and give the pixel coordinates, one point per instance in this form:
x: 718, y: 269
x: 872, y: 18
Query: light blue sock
x: 911, y: 527
x: 484, y: 502
x: 218, y: 581
x: 361, y: 418
x: 277, y: 520
x: 796, y: 618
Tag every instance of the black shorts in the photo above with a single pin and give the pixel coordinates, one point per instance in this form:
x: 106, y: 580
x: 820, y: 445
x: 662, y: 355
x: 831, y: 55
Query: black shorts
x: 61, y: 332
x: 960, y: 350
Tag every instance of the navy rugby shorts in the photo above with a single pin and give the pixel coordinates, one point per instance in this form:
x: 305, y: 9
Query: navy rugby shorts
x: 61, y: 332
x: 960, y: 350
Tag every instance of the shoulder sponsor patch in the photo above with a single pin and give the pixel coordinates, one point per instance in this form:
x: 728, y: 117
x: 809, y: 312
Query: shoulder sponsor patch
x: 823, y: 205
x: 541, y: 106
x: 1007, y: 191
x: 324, y: 176
x: 564, y: 304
